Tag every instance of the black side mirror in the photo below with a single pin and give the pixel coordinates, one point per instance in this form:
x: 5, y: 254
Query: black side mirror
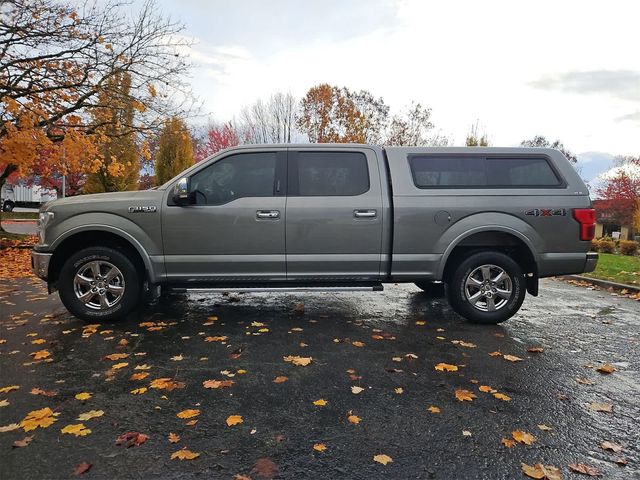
x: 181, y: 194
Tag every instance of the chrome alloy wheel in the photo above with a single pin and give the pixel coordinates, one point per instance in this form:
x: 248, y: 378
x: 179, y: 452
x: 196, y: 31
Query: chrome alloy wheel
x: 99, y: 285
x: 488, y: 288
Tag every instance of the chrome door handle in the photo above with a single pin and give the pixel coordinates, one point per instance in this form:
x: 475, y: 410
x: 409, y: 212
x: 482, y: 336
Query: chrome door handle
x: 269, y: 214
x: 365, y: 213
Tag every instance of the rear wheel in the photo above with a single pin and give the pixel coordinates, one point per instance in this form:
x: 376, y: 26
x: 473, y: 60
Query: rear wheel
x: 487, y: 287
x: 99, y: 284
x: 8, y: 206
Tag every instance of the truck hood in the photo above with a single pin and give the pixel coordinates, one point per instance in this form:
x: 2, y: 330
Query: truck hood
x: 105, y: 199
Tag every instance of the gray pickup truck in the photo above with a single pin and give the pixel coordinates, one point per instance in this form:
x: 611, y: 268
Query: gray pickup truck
x: 485, y: 222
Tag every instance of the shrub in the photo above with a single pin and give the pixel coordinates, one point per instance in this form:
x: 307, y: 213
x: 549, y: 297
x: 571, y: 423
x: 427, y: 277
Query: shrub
x: 595, y: 245
x: 628, y: 247
x: 607, y: 245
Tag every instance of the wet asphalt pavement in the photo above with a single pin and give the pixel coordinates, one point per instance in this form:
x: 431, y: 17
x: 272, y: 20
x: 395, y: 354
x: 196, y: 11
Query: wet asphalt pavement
x: 578, y: 330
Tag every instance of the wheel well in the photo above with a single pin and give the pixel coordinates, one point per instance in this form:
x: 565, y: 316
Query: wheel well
x: 493, y: 241
x: 94, y: 238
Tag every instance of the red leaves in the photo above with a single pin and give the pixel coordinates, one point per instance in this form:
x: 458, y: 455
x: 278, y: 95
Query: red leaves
x: 82, y: 468
x: 265, y: 468
x: 131, y: 439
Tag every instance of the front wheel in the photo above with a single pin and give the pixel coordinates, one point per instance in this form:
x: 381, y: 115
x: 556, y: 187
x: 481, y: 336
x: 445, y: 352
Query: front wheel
x: 99, y: 284
x: 487, y: 287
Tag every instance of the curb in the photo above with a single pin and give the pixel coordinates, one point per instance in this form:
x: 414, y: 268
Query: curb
x: 602, y: 283
x: 20, y: 220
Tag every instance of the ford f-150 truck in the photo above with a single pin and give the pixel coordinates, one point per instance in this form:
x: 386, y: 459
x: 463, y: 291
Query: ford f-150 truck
x: 486, y: 222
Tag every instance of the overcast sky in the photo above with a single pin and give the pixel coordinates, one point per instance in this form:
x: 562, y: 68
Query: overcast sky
x: 564, y: 69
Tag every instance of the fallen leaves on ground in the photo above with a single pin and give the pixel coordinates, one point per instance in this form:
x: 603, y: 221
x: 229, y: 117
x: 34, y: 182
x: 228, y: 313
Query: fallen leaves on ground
x: 173, y: 438
x: 502, y: 396
x: 613, y: 447
x: 321, y: 402
x: 265, y: 468
x: 354, y: 419
x: 139, y: 391
x: 189, y: 413
x: 507, y: 442
x: 40, y: 354
x: 433, y: 409
x: 606, y: 368
x: 77, y: 429
x: 82, y: 468
x: 129, y: 439
x: 10, y: 428
x: 319, y: 447
x: 83, y: 396
x: 165, y: 384
x: 523, y: 437
x: 9, y: 388
x: 585, y: 469
x: 464, y: 344
x: 446, y: 367
x: 541, y: 472
x: 356, y: 390
x: 382, y: 458
x: 544, y: 427
x: 115, y: 356
x: 218, y: 383
x: 280, y: 379
x: 600, y: 407
x: 298, y: 361
x: 42, y: 418
x: 184, y: 454
x: 234, y: 420
x: 464, y: 395
x: 139, y: 376
x: 215, y: 339
x: 535, y: 349
x: 512, y: 358
x: 46, y: 393
x: 90, y: 414
x: 22, y: 443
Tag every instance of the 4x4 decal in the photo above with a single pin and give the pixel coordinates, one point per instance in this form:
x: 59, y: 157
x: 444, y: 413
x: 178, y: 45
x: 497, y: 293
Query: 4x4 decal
x: 547, y: 212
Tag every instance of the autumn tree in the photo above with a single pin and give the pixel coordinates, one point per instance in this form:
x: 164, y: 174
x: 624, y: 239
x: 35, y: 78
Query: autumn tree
x: 414, y: 128
x: 542, y: 142
x: 118, y: 167
x: 175, y: 151
x: 373, y: 111
x: 272, y: 121
x: 327, y: 115
x: 56, y: 58
x: 476, y: 139
x: 620, y: 192
x: 216, y: 138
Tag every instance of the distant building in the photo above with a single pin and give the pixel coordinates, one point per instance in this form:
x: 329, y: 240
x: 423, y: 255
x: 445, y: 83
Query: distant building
x: 609, y: 223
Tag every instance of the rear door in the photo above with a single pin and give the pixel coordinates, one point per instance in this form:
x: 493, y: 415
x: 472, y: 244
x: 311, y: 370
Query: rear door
x: 333, y: 214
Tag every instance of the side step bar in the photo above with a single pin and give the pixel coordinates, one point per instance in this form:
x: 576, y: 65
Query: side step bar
x: 293, y: 289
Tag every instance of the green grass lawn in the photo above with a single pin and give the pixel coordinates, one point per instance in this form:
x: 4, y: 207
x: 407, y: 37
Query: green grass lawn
x: 618, y: 268
x: 12, y: 215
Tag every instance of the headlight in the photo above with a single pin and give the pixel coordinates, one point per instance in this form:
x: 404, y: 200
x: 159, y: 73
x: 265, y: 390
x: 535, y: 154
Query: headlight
x: 43, y: 220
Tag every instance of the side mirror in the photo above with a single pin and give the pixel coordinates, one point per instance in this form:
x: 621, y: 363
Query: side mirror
x: 181, y: 192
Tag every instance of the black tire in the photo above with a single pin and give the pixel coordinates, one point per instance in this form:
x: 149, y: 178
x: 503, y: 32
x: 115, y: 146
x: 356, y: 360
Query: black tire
x: 81, y: 262
x: 432, y: 289
x: 8, y: 206
x: 479, y: 311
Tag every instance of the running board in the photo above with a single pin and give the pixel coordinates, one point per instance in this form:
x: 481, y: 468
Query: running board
x: 236, y: 289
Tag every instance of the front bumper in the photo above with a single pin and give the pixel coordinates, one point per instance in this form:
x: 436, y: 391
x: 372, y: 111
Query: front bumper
x: 592, y: 261
x: 40, y: 264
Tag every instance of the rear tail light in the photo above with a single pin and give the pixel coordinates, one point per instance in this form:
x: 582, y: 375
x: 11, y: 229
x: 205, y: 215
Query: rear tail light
x: 586, y: 217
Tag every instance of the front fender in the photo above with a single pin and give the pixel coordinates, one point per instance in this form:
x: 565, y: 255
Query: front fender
x: 146, y: 241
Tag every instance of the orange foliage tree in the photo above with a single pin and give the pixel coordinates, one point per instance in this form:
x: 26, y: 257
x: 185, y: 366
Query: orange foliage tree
x: 56, y: 61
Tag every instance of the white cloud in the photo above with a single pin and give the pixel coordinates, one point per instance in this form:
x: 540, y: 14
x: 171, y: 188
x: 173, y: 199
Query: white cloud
x: 467, y: 60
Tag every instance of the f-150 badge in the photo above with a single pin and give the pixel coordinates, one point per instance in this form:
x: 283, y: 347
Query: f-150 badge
x: 547, y: 212
x: 143, y: 209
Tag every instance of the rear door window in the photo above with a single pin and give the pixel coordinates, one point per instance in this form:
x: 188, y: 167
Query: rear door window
x: 521, y: 172
x: 330, y: 174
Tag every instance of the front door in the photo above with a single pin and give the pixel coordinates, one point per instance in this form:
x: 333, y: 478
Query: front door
x: 334, y: 214
x: 235, y: 227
